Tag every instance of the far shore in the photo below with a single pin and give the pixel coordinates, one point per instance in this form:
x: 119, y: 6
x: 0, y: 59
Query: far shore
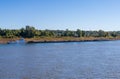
x: 57, y: 39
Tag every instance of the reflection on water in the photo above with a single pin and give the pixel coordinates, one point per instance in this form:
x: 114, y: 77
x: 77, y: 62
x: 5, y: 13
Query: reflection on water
x: 75, y: 60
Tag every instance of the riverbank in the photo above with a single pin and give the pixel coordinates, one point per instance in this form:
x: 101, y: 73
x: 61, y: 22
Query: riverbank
x: 58, y: 39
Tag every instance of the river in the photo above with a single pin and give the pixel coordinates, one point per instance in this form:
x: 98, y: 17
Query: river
x: 71, y: 60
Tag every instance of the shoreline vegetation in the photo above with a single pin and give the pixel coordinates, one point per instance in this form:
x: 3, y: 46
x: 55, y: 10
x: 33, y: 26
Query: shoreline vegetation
x: 57, y: 39
x: 32, y: 35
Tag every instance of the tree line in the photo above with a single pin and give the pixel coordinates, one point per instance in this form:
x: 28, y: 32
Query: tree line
x: 30, y: 32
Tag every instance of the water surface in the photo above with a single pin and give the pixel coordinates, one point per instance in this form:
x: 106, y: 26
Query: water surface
x: 74, y: 60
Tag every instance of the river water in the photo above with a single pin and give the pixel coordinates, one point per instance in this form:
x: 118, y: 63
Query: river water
x: 73, y: 60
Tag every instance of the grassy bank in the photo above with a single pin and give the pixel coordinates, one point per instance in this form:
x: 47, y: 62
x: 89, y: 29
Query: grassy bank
x: 58, y: 39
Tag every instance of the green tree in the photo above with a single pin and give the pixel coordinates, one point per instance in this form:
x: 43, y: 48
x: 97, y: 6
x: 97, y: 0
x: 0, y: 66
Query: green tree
x: 79, y: 32
x: 29, y: 31
x: 101, y: 33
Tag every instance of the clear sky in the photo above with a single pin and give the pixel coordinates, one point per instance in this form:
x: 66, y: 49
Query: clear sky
x: 61, y: 14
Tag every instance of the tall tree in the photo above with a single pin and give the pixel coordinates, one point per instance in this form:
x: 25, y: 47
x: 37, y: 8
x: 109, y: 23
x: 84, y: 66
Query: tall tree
x: 79, y: 32
x: 30, y: 31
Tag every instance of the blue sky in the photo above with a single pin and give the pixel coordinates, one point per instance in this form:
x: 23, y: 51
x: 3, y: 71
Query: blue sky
x: 61, y: 14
